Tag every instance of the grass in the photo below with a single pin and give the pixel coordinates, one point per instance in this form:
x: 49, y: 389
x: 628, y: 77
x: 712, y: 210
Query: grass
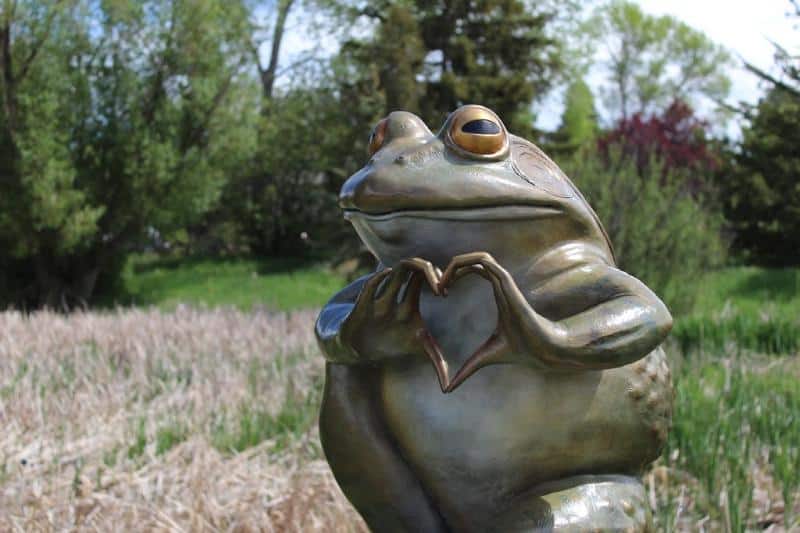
x: 243, y: 283
x: 748, y: 308
x: 750, y: 290
x: 190, y: 419
x: 204, y: 418
x: 733, y: 455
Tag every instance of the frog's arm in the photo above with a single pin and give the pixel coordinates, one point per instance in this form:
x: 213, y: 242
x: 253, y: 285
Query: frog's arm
x: 585, y: 315
x: 607, y: 318
x: 330, y: 320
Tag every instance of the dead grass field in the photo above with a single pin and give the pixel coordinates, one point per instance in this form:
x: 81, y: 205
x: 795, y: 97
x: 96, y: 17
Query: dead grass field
x: 140, y: 420
x: 205, y: 420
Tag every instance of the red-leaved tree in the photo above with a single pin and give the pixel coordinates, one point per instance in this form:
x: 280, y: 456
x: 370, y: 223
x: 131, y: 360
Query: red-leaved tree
x: 675, y: 139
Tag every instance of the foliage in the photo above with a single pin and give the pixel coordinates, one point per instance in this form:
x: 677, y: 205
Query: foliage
x: 578, y: 122
x: 661, y: 234
x: 788, y: 78
x: 676, y: 138
x: 499, y: 53
x: 123, y: 123
x: 241, y: 282
x: 278, y: 201
x: 654, y: 60
x: 734, y: 430
x: 762, y: 194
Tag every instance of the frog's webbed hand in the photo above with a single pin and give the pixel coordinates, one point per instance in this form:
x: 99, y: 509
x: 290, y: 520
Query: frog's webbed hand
x: 620, y: 320
x: 375, y: 319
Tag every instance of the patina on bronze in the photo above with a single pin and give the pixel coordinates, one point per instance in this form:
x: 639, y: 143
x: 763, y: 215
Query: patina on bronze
x: 494, y: 269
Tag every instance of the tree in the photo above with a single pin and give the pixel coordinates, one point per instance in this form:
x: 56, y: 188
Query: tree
x: 762, y: 193
x: 499, y: 53
x: 652, y: 61
x: 578, y: 121
x: 123, y: 123
x: 660, y: 234
x: 676, y: 139
x: 762, y: 186
x: 788, y: 79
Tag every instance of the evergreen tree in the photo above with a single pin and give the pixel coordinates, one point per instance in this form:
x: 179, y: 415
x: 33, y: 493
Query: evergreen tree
x: 578, y: 122
x: 762, y: 194
x: 498, y: 53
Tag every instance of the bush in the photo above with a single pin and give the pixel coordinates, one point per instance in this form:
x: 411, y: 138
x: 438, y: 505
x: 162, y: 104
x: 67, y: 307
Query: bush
x: 661, y: 233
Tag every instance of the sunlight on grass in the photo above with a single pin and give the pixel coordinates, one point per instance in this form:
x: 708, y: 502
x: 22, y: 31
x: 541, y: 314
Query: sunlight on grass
x: 277, y: 285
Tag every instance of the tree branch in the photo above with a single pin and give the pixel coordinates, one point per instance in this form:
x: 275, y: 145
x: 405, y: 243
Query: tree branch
x: 772, y: 79
x: 268, y: 75
x: 37, y: 46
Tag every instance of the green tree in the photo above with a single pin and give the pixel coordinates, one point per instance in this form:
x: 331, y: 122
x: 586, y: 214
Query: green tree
x: 762, y: 193
x: 660, y: 234
x: 761, y: 189
x: 499, y: 53
x: 652, y: 61
x: 121, y: 124
x: 579, y: 120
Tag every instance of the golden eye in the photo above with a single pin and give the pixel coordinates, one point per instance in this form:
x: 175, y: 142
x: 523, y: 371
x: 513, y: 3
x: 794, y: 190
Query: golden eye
x: 477, y: 130
x: 377, y: 137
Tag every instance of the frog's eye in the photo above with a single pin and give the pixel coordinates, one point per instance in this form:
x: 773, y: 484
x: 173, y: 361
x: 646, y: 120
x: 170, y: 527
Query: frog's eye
x: 478, y: 131
x: 377, y: 137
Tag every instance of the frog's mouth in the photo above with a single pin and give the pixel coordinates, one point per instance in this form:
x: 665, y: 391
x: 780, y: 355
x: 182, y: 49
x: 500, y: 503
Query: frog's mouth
x: 482, y: 213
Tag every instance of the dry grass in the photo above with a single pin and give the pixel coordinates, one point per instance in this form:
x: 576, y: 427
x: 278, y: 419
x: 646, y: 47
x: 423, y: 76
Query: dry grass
x: 95, y: 409
x: 205, y: 420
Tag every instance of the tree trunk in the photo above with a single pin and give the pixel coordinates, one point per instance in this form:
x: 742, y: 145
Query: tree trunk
x: 268, y: 74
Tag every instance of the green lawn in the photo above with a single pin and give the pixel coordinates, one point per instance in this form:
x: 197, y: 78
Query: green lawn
x: 243, y: 283
x: 755, y: 308
x: 752, y: 308
x: 750, y: 290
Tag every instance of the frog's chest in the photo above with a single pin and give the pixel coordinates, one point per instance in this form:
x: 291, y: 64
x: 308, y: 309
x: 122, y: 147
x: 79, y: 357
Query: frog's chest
x: 461, y: 321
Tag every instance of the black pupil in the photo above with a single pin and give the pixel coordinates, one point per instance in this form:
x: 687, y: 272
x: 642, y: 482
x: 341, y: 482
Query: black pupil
x: 481, y: 126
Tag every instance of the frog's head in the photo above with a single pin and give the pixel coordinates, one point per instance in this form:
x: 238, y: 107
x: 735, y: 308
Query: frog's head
x: 472, y: 187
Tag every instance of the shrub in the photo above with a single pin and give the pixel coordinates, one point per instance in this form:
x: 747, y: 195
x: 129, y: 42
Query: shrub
x: 661, y: 233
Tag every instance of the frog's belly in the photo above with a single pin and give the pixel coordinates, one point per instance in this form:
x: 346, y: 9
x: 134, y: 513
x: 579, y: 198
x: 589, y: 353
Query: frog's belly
x: 510, y: 428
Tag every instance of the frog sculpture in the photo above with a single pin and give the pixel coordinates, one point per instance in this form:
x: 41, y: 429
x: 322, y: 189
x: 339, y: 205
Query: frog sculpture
x: 497, y: 372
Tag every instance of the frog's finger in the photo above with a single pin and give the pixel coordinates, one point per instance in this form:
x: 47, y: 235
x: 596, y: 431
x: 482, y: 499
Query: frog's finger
x: 465, y: 271
x: 410, y: 304
x: 427, y: 268
x: 434, y: 353
x: 392, y: 286
x: 370, y: 288
x: 483, y: 259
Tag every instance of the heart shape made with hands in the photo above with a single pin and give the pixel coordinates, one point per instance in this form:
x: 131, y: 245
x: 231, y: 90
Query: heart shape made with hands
x: 491, y: 348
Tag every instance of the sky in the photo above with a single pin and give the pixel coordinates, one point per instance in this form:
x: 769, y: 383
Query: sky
x: 744, y: 27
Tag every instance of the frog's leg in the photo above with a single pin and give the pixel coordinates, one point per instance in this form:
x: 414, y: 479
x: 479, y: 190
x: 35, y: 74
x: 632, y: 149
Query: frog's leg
x: 365, y: 461
x: 580, y: 504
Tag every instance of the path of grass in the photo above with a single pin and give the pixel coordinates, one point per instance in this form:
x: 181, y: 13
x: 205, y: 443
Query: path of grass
x: 243, y: 283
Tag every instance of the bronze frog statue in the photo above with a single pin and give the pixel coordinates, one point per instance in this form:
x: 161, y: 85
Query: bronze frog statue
x: 496, y: 284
